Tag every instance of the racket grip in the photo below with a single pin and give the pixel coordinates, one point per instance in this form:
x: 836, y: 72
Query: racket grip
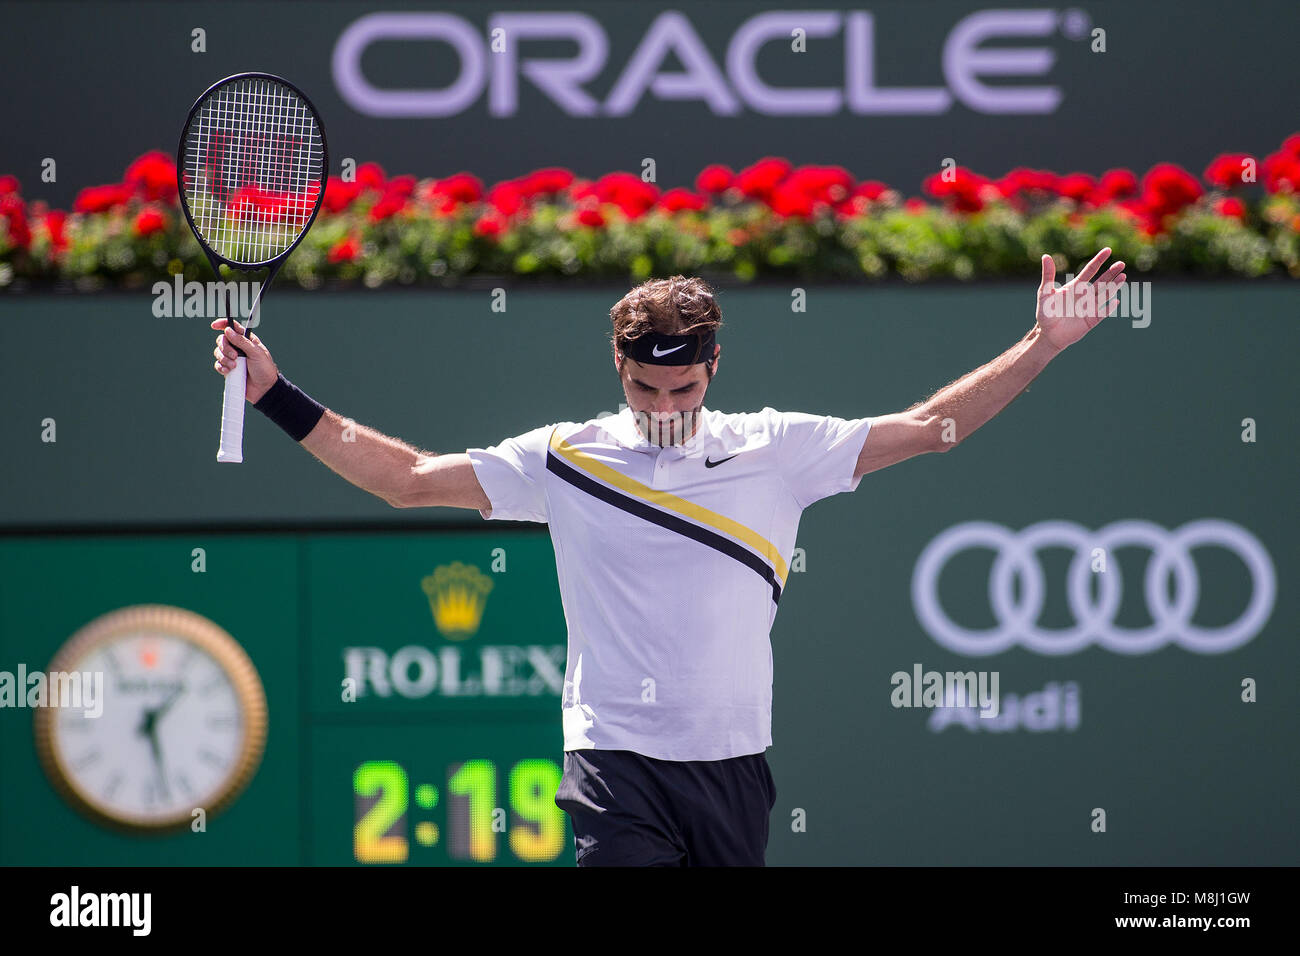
x: 232, y: 413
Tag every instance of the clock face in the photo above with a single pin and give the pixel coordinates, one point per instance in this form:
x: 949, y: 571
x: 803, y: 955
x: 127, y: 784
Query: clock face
x: 183, y: 721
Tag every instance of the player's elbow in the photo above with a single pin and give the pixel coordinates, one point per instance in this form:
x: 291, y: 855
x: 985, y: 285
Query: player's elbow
x: 418, y: 485
x: 409, y: 500
x: 401, y: 489
x: 933, y: 433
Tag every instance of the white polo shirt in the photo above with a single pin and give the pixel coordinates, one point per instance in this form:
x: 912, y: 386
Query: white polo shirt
x: 671, y: 563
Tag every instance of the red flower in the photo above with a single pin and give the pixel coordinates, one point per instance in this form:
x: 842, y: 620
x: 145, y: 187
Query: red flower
x: 760, y: 180
x: 340, y: 195
x: 153, y: 176
x: 961, y: 189
x: 1291, y: 145
x: 457, y: 189
x: 345, y: 250
x: 149, y: 221
x: 789, y: 201
x: 388, y: 206
x: 1079, y: 187
x: 679, y: 198
x: 1226, y: 170
x: 102, y: 198
x: 915, y: 205
x: 489, y: 225
x: 828, y: 184
x: 737, y: 237
x: 583, y: 189
x: 1149, y: 221
x: 591, y: 217
x: 871, y: 190
x: 1167, y: 188
x: 633, y: 196
x: 251, y: 203
x: 402, y: 186
x: 297, y: 208
x: 14, y: 211
x: 55, y: 221
x: 1232, y: 207
x: 1116, y: 184
x: 447, y: 195
x: 9, y: 184
x: 370, y: 176
x: 543, y: 182
x: 1282, y: 172
x: 860, y: 199
x: 1035, y: 183
x: 714, y: 179
x: 507, y: 198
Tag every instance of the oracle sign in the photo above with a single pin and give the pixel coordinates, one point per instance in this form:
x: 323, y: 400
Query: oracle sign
x: 495, y: 62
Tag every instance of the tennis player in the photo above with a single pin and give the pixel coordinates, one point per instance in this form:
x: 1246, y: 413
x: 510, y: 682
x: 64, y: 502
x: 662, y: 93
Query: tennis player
x: 673, y: 525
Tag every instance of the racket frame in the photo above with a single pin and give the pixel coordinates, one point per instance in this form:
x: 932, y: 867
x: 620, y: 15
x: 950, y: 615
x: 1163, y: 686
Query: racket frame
x: 232, y: 418
x: 216, y: 259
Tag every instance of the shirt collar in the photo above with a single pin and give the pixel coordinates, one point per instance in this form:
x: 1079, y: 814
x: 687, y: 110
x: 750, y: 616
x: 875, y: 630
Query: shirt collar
x: 623, y: 427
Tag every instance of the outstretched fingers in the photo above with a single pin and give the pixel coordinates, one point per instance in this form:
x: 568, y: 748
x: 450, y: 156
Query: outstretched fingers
x: 1090, y: 270
x: 1049, y: 276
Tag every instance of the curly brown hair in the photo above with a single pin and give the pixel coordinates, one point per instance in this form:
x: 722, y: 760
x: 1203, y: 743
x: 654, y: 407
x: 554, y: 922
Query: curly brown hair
x: 674, y: 306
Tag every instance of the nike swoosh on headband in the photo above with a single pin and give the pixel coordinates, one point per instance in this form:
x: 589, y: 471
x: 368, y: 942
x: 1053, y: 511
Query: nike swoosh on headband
x: 656, y: 353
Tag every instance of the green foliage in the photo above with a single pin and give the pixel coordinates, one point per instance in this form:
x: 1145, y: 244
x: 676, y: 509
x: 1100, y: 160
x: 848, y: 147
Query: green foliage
x: 745, y: 239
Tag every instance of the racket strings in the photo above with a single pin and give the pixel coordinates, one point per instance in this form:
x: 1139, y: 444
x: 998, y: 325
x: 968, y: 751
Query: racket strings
x: 254, y: 169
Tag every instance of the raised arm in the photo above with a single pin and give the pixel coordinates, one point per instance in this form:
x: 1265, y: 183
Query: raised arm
x: 387, y: 467
x: 954, y: 412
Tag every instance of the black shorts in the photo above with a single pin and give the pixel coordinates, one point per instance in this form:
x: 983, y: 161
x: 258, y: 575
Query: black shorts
x: 631, y: 810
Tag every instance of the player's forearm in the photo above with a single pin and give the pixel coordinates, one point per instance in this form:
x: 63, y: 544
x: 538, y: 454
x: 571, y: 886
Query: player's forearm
x: 957, y: 410
x: 371, y: 460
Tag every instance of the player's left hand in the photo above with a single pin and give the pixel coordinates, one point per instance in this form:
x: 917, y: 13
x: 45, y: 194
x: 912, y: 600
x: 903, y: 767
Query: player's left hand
x: 1067, y: 313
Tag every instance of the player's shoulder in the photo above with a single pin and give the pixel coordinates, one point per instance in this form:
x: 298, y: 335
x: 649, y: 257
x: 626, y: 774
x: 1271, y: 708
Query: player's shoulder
x: 777, y: 427
x: 767, y: 421
x: 745, y: 423
x: 539, y: 438
x: 563, y: 431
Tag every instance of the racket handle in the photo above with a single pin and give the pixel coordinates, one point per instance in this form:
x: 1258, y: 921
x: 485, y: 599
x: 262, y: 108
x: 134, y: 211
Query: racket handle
x: 232, y: 413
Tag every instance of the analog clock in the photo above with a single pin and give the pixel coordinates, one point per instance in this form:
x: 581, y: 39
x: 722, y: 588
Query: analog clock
x: 183, y: 722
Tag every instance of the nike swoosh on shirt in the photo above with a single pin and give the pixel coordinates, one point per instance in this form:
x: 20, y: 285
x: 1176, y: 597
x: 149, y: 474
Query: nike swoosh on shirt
x: 710, y: 463
x: 656, y: 353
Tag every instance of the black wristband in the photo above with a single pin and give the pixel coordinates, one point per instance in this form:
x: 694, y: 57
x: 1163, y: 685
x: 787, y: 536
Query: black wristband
x: 291, y: 408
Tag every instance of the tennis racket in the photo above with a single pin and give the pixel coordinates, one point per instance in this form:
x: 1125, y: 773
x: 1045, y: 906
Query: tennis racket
x: 252, y: 161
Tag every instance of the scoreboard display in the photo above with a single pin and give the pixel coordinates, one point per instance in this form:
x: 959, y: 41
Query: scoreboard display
x: 431, y: 804
x: 437, y: 740
x: 413, y: 682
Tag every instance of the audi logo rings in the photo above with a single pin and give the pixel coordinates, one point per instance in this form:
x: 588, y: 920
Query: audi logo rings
x: 1094, y: 620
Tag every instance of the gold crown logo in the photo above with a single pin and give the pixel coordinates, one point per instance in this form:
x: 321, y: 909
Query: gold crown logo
x: 457, y: 595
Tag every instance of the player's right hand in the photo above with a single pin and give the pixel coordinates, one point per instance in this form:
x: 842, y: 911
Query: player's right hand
x: 262, y: 372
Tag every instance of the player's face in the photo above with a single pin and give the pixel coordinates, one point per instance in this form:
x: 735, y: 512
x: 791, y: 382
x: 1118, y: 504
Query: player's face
x: 665, y: 399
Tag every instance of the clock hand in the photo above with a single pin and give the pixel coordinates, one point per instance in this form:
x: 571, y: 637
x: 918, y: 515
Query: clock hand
x: 147, y: 718
x: 156, y: 749
x: 163, y: 707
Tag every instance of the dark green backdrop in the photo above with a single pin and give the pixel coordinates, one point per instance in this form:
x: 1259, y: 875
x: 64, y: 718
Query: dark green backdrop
x: 1130, y: 424
x: 1230, y: 68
